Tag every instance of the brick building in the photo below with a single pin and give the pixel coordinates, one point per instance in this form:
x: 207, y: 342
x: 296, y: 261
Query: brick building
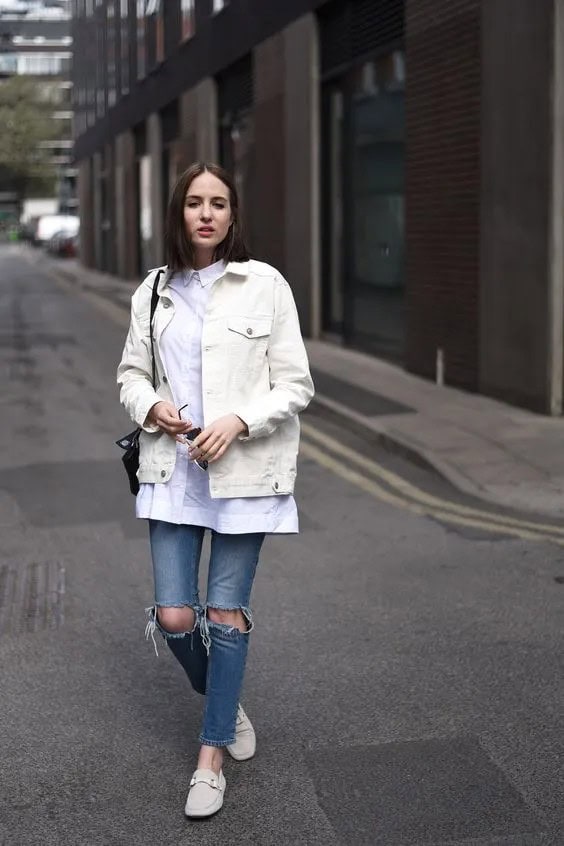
x: 399, y: 160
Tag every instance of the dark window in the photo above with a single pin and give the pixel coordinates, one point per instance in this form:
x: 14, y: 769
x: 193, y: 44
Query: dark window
x: 112, y: 42
x: 172, y: 25
x: 124, y: 45
x: 101, y: 63
x: 155, y: 32
x: 237, y: 128
x: 188, y: 18
x: 141, y: 47
x: 159, y: 23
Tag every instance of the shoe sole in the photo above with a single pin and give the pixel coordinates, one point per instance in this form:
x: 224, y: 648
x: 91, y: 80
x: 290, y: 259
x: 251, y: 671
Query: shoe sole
x: 203, y: 815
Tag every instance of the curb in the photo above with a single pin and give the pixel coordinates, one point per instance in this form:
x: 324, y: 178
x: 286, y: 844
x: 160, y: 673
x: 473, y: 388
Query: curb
x: 370, y: 431
x: 397, y: 444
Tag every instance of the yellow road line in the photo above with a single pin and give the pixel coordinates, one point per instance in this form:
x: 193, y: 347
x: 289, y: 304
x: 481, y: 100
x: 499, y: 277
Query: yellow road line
x: 411, y: 491
x: 376, y: 490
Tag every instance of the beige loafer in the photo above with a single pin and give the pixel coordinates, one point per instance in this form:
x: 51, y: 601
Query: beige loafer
x: 245, y: 744
x: 205, y: 796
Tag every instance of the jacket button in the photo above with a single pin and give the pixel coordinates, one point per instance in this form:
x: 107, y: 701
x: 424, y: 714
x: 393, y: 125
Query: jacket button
x: 276, y: 486
x: 166, y: 304
x: 249, y: 331
x: 165, y: 380
x: 163, y: 473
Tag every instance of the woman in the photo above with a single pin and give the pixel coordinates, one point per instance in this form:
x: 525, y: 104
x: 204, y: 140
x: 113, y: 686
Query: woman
x: 218, y: 448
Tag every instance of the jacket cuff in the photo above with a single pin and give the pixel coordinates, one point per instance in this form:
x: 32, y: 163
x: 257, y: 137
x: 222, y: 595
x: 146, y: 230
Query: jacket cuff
x: 253, y: 424
x: 144, y: 406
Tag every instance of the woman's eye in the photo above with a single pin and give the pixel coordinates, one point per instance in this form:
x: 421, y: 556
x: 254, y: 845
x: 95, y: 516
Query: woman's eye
x: 220, y: 205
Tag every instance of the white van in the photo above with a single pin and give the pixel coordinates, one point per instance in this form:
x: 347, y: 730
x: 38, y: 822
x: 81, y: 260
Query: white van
x: 49, y: 224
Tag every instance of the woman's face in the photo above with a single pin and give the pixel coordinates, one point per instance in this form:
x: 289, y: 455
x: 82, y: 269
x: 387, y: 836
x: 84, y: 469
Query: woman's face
x: 207, y: 212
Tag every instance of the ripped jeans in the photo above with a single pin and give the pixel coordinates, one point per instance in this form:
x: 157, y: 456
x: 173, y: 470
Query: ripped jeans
x: 212, y: 654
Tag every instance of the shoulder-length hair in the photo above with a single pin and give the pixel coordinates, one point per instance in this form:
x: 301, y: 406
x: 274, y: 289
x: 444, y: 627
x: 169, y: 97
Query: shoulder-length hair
x: 178, y: 246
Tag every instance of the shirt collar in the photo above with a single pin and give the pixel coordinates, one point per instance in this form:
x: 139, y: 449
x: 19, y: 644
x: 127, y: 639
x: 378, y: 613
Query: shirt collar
x: 206, y: 276
x: 237, y: 268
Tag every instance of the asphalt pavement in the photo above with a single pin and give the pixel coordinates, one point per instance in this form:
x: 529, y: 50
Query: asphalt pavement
x: 405, y: 673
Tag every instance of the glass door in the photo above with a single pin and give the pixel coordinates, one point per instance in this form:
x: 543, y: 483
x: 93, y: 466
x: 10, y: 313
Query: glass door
x: 363, y: 206
x: 374, y: 316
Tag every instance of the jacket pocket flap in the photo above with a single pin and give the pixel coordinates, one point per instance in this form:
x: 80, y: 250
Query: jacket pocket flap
x: 250, y: 327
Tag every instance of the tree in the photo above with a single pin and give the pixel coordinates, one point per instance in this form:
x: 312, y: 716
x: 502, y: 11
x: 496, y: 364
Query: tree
x: 25, y: 122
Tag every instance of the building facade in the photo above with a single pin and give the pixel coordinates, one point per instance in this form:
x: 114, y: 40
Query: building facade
x: 36, y: 42
x: 395, y: 160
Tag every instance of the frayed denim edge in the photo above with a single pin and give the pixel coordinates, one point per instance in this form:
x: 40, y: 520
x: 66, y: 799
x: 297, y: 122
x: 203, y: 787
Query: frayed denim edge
x: 153, y: 622
x: 224, y: 628
x: 201, y: 621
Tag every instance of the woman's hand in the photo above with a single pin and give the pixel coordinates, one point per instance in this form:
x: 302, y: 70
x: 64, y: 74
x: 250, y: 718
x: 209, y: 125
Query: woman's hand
x: 214, y: 440
x: 164, y: 415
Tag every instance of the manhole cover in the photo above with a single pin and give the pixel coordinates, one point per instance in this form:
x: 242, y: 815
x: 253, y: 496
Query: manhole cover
x: 31, y: 597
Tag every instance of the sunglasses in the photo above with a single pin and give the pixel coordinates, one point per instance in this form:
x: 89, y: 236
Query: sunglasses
x: 190, y: 436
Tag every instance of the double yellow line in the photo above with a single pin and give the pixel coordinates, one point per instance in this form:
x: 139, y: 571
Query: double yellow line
x: 391, y: 488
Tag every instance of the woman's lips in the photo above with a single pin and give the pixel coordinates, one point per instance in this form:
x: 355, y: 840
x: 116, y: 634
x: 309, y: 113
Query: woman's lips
x: 205, y: 232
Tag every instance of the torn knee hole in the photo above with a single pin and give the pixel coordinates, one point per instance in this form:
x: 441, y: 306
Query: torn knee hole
x: 177, y: 619
x: 240, y: 618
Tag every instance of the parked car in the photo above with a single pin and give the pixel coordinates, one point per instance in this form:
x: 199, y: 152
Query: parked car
x: 50, y: 224
x: 63, y: 244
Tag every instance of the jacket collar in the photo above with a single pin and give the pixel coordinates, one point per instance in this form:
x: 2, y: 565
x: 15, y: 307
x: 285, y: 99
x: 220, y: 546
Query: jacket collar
x: 235, y: 268
x: 238, y: 268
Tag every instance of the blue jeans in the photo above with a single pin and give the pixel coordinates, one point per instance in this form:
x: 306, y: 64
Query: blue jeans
x: 212, y: 654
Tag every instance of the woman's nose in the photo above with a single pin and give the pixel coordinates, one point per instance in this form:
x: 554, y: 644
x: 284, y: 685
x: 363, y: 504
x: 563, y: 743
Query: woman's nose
x: 206, y: 213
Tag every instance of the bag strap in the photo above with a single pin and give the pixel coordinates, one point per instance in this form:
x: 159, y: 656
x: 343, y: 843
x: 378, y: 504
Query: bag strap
x: 154, y: 301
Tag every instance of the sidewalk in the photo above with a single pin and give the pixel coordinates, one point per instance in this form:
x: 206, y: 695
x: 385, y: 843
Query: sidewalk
x: 499, y: 453
x: 505, y: 455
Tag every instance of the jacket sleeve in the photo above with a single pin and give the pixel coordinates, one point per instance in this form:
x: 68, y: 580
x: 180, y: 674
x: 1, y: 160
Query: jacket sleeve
x: 291, y: 385
x: 134, y: 374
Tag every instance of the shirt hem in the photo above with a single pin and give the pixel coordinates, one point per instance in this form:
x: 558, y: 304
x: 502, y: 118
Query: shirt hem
x: 223, y: 530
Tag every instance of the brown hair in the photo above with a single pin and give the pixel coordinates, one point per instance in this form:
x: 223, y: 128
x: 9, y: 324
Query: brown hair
x: 178, y: 247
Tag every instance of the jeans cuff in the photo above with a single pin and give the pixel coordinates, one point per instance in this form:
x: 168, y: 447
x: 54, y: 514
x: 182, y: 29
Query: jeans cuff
x: 206, y: 742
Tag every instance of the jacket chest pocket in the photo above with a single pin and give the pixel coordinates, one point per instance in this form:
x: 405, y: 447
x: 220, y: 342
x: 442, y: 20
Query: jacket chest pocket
x: 248, y: 338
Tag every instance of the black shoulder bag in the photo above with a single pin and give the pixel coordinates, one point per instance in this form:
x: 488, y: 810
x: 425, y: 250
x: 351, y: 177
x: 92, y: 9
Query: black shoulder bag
x: 130, y: 443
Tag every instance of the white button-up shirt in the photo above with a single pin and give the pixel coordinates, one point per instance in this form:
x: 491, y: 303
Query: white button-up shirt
x: 185, y: 498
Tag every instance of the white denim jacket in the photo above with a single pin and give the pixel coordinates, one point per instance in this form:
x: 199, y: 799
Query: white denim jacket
x: 254, y: 364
